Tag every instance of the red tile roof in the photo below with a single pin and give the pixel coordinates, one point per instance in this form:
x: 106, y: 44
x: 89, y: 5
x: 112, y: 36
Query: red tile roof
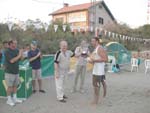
x: 72, y: 8
x: 81, y: 7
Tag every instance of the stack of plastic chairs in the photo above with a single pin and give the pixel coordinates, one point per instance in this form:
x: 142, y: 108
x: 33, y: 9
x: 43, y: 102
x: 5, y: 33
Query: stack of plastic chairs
x: 134, y: 64
x: 147, y: 65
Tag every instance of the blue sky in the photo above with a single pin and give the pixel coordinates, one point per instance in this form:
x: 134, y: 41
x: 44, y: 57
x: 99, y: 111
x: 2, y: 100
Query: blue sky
x: 132, y: 12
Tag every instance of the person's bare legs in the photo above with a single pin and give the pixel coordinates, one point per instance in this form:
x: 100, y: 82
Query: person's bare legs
x: 15, y: 89
x: 33, y: 85
x: 9, y: 91
x: 96, y: 96
x: 104, y: 88
x: 40, y: 84
x: 9, y: 99
x: 15, y: 99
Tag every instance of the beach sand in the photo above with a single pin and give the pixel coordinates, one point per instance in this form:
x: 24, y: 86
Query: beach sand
x: 127, y: 93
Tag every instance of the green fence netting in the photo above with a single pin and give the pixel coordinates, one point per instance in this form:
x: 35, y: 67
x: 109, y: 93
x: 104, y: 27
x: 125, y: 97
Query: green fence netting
x: 47, y: 63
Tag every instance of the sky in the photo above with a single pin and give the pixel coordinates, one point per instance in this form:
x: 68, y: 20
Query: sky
x: 131, y: 12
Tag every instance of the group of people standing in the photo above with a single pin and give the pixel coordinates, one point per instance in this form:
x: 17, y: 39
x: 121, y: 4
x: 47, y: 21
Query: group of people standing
x: 82, y: 53
x: 12, y: 55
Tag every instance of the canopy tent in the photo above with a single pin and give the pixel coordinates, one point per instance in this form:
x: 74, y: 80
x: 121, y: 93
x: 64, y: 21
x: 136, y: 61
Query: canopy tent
x: 119, y: 52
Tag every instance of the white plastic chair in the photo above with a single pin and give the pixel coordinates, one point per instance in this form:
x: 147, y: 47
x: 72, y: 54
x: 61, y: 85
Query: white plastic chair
x: 110, y: 65
x: 147, y: 65
x: 134, y: 64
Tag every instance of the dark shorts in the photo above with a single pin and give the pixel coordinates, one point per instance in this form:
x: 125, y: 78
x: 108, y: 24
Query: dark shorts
x: 97, y: 80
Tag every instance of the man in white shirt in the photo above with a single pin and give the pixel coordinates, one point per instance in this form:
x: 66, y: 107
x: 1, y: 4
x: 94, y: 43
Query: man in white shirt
x: 62, y: 63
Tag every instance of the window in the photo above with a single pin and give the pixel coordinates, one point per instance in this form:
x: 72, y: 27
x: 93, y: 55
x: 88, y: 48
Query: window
x: 100, y: 6
x: 60, y: 19
x: 101, y: 20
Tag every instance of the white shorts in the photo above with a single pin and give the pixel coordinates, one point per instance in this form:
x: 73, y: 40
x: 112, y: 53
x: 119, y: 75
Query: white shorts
x: 36, y: 74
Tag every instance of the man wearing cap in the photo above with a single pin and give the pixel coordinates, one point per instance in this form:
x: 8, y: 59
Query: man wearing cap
x: 34, y: 56
x: 12, y: 57
x: 62, y: 63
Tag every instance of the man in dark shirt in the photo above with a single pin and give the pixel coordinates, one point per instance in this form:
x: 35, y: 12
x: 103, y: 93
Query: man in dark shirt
x: 12, y: 57
x: 34, y: 56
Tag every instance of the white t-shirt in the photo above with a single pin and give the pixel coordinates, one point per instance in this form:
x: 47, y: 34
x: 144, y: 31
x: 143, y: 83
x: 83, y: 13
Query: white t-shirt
x: 99, y: 67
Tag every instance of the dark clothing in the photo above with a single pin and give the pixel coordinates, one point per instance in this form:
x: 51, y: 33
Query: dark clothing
x: 36, y: 64
x: 97, y: 80
x: 0, y: 57
x: 12, y: 68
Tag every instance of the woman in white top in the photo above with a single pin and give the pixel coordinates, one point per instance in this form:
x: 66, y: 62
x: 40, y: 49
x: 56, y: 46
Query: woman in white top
x: 99, y: 57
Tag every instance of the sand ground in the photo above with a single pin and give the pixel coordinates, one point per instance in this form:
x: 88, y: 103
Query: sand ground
x: 127, y: 93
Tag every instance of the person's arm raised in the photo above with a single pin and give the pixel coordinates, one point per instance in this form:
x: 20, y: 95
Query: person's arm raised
x: 103, y: 56
x: 15, y: 59
x: 35, y: 57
